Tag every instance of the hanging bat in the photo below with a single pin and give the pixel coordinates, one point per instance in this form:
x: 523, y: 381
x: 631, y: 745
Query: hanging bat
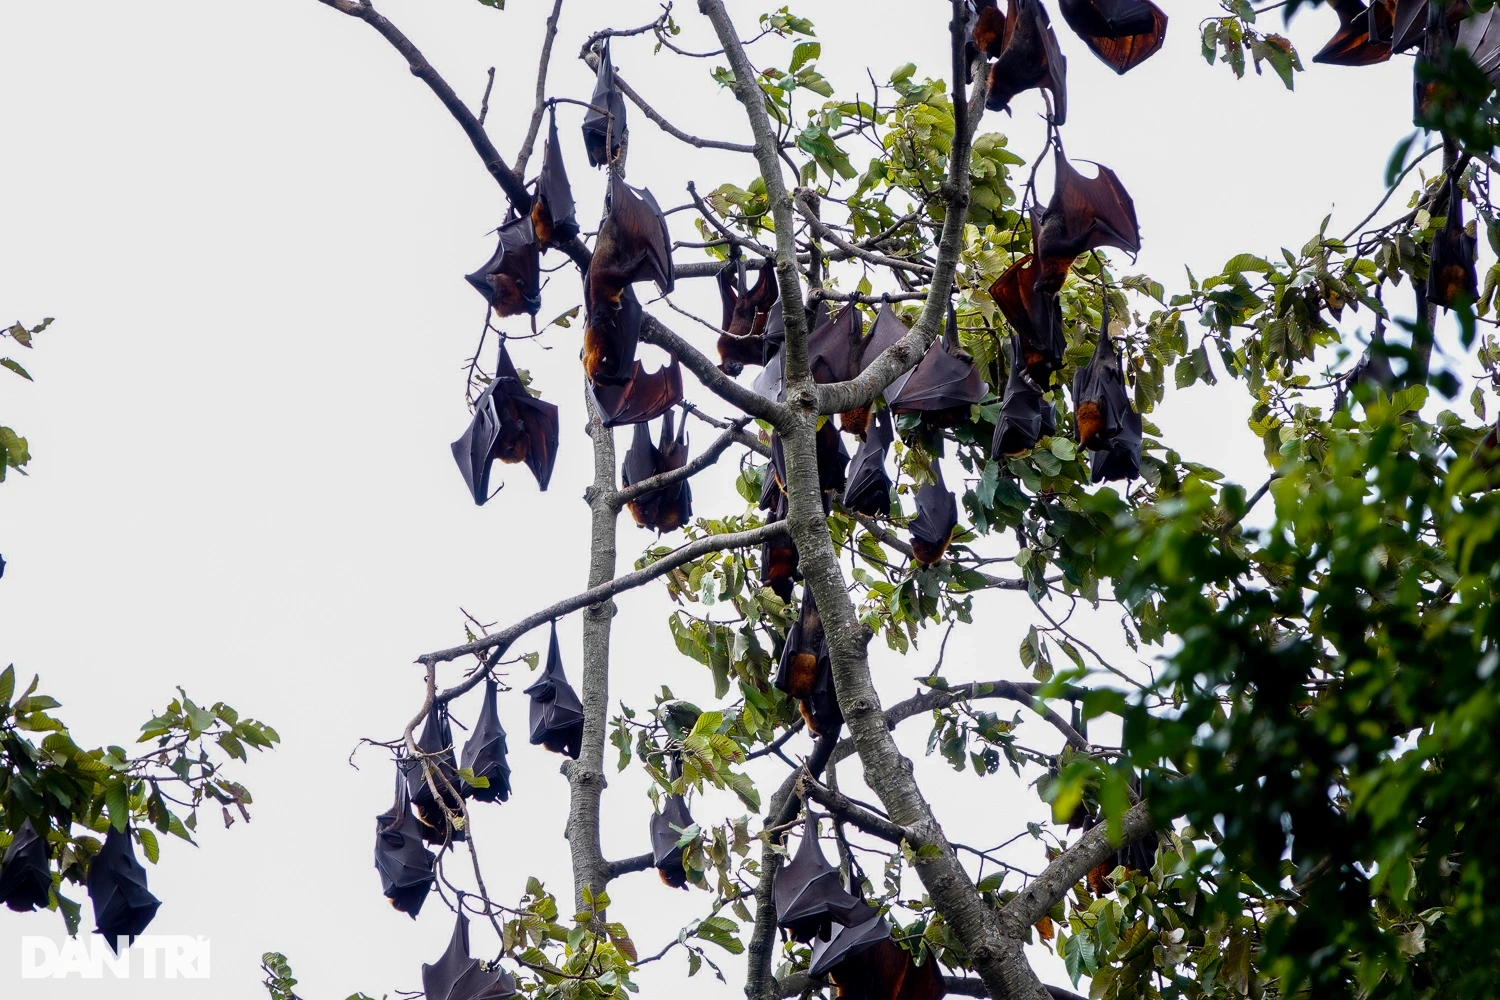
x: 632, y: 245
x: 556, y: 712
x: 775, y: 332
x: 644, y: 397
x: 25, y: 879
x: 937, y: 516
x: 806, y: 672
x: 944, y: 385
x: 869, y: 488
x: 1352, y: 44
x: 1083, y: 215
x: 1123, y: 33
x: 670, y: 507
x: 1373, y: 369
x: 863, y: 960
x: 807, y: 894
x: 553, y: 217
x: 436, y: 744
x: 778, y: 556
x: 1122, y: 459
x: 511, y: 425
x: 833, y: 463
x: 1035, y: 317
x: 457, y: 976
x: 1450, y: 275
x: 510, y: 280
x: 123, y: 906
x: 604, y: 122
x: 404, y: 863
x: 746, y: 312
x: 1409, y: 23
x: 987, y: 28
x: 771, y: 382
x: 1029, y: 57
x: 484, y: 751
x: 666, y: 831
x: 1100, y: 401
x: 884, y: 332
x: 1023, y: 411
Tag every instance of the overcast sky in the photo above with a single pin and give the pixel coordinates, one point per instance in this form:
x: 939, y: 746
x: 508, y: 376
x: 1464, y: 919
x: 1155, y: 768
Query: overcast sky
x: 252, y: 224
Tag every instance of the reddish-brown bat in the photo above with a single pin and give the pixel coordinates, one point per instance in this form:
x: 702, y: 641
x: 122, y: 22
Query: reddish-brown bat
x: 1451, y: 276
x: 1106, y: 424
x: 511, y: 425
x: 937, y: 517
x: 1025, y: 415
x: 1035, y: 318
x: 510, y: 280
x: 553, y: 216
x: 633, y: 245
x: 1352, y: 44
x: 746, y: 311
x: 645, y: 397
x: 864, y: 961
x: 1029, y: 57
x: 806, y: 672
x: 1123, y: 33
x: 1084, y: 214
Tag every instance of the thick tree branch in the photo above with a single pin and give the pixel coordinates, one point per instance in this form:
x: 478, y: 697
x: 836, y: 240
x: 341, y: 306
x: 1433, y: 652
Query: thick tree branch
x: 629, y: 581
x: 851, y: 812
x: 524, y: 155
x: 710, y: 455
x: 625, y: 866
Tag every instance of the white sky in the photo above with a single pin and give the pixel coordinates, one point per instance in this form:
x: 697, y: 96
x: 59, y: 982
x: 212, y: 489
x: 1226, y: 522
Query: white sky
x: 252, y: 225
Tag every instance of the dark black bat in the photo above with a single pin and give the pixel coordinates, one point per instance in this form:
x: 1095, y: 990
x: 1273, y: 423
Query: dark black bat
x: 778, y: 556
x: 604, y: 122
x: 553, y: 216
x: 1103, y: 417
x: 1409, y: 23
x: 833, y: 347
x: 1123, y: 33
x: 944, y: 385
x: 123, y: 906
x: 869, y: 488
x: 937, y: 516
x: 776, y: 325
x: 484, y: 751
x: 670, y: 507
x: 666, y: 831
x: 556, y: 712
x: 1024, y: 412
x: 457, y: 976
x: 1029, y: 57
x: 806, y: 671
x: 747, y: 310
x: 833, y: 463
x: 1352, y: 44
x: 808, y: 895
x: 771, y: 382
x: 1373, y: 369
x: 1450, y: 275
x: 1122, y: 459
x: 633, y: 245
x: 511, y: 425
x: 864, y: 961
x: 510, y: 280
x: 435, y: 741
x: 1084, y: 214
x: 1035, y: 317
x: 645, y: 397
x: 404, y: 862
x: 25, y: 878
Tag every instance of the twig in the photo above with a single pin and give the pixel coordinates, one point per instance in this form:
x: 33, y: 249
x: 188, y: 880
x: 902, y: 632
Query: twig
x: 524, y: 155
x: 484, y: 108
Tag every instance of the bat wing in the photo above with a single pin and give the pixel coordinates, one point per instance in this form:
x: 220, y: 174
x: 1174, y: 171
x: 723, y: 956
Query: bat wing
x: 937, y: 516
x: 474, y: 450
x: 866, y: 929
x: 484, y: 751
x: 511, y: 279
x: 404, y: 864
x: 1122, y: 33
x: 731, y: 281
x: 123, y: 906
x: 833, y: 461
x: 1410, y: 24
x: 941, y: 382
x: 1021, y: 409
x: 457, y: 976
x: 779, y: 556
x: 1352, y: 45
x: 773, y: 482
x: 833, y: 348
x: 610, y: 342
x: 1036, y: 318
x: 1029, y: 57
x: 1099, y: 397
x: 869, y: 488
x: 604, y: 122
x: 1084, y: 214
x: 645, y: 397
x: 666, y: 831
x: 884, y: 333
x: 1479, y: 36
x: 771, y: 382
x: 436, y: 739
x: 25, y: 878
x: 807, y: 895
x: 645, y: 246
x: 554, y: 217
x: 1122, y: 459
x: 540, y: 418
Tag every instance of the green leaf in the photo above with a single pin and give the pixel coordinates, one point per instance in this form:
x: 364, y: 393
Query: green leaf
x: 7, y: 688
x: 149, y: 845
x: 117, y: 801
x: 8, y: 363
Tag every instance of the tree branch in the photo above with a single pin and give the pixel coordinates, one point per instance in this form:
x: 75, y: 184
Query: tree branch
x: 799, y: 983
x: 625, y: 866
x: 592, y: 58
x: 677, y: 557
x: 653, y: 331
x: 890, y: 538
x: 708, y: 457
x: 537, y: 109
x: 849, y: 811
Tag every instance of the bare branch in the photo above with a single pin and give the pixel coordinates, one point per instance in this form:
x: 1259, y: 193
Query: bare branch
x: 745, y: 438
x: 824, y: 231
x: 708, y: 457
x: 847, y: 810
x: 625, y: 866
x: 540, y: 106
x: 592, y: 58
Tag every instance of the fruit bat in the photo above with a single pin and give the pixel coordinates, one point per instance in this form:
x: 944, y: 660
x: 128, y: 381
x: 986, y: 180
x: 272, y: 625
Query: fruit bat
x: 645, y: 397
x: 776, y: 325
x: 1450, y: 275
x: 404, y: 863
x: 1138, y: 855
x: 937, y: 516
x: 833, y: 463
x: 771, y: 382
x: 1029, y: 57
x: 456, y: 976
x: 604, y: 122
x: 944, y: 385
x: 808, y: 895
x: 987, y: 28
x: 511, y: 280
x: 25, y: 879
x: 436, y: 744
x: 1084, y: 214
x: 1410, y: 23
x: 864, y: 961
x: 1035, y: 317
x: 556, y: 712
x: 778, y: 556
x: 834, y: 349
x: 553, y: 218
x: 1479, y: 36
x: 1373, y: 368
x: 1123, y: 33
x: 884, y: 332
x: 1106, y: 424
x: 746, y: 312
x: 1122, y: 459
x: 806, y: 671
x: 666, y: 831
x: 633, y: 245
x: 1024, y: 413
x: 670, y: 507
x: 1352, y: 44
x: 869, y: 488
x: 484, y: 751
x: 511, y: 425
x: 123, y: 906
